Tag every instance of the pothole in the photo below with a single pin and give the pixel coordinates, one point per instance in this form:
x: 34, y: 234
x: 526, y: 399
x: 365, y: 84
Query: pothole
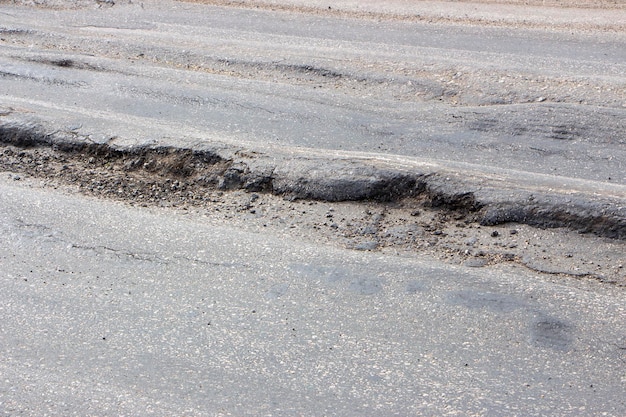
x: 412, y: 218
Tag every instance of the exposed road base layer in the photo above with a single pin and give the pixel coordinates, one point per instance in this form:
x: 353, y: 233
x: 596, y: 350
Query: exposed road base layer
x: 315, y: 178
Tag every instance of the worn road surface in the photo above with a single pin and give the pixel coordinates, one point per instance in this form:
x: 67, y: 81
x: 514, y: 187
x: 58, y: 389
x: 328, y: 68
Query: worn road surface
x: 111, y: 310
x: 544, y: 99
x: 215, y: 266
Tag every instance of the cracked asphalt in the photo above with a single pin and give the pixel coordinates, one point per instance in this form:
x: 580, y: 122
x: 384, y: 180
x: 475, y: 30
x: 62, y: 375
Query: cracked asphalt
x: 115, y: 310
x: 216, y: 207
x: 547, y: 100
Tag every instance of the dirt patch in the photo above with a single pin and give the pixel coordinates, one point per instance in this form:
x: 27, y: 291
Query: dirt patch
x: 554, y: 14
x: 199, y: 183
x: 66, y: 4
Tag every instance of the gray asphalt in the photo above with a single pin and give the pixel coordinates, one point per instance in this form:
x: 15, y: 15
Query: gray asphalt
x: 542, y: 101
x: 111, y: 310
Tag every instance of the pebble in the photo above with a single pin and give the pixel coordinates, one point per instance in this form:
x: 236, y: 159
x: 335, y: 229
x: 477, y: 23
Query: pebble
x: 368, y: 245
x: 475, y: 262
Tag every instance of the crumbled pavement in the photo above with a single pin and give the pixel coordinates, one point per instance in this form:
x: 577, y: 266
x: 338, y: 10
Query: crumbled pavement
x: 376, y: 210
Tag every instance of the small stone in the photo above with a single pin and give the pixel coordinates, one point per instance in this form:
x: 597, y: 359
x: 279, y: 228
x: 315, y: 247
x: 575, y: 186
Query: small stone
x: 475, y: 263
x: 369, y: 230
x: 74, y: 127
x: 369, y: 245
x: 495, y: 233
x: 540, y: 99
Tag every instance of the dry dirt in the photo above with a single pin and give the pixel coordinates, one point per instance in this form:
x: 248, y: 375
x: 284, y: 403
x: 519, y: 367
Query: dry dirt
x: 409, y: 227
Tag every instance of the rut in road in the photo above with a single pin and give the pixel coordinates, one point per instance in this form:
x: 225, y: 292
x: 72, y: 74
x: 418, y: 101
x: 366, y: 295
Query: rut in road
x: 140, y: 173
x: 407, y: 214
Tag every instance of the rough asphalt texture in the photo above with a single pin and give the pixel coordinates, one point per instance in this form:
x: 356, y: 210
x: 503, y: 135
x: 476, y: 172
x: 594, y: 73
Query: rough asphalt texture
x: 460, y: 112
x: 312, y: 177
x: 512, y: 124
x: 113, y: 310
x: 357, y: 208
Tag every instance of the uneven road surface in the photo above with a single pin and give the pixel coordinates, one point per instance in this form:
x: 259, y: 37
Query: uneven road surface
x: 523, y: 115
x: 290, y: 207
x: 153, y: 312
x: 544, y: 100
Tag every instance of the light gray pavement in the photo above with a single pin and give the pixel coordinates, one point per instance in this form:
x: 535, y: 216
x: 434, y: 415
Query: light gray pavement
x: 110, y: 310
x: 113, y: 310
x: 545, y: 101
x: 603, y: 15
x: 514, y: 116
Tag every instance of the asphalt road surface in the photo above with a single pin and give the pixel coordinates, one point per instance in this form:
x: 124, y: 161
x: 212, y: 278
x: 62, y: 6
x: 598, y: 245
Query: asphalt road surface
x: 112, y: 310
x: 544, y: 99
x: 232, y: 303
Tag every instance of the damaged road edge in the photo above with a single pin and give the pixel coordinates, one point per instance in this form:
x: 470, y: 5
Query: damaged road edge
x: 327, y: 179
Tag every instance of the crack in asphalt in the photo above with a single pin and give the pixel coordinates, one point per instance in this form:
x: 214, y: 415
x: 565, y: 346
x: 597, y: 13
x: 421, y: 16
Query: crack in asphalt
x: 440, y: 224
x: 150, y: 257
